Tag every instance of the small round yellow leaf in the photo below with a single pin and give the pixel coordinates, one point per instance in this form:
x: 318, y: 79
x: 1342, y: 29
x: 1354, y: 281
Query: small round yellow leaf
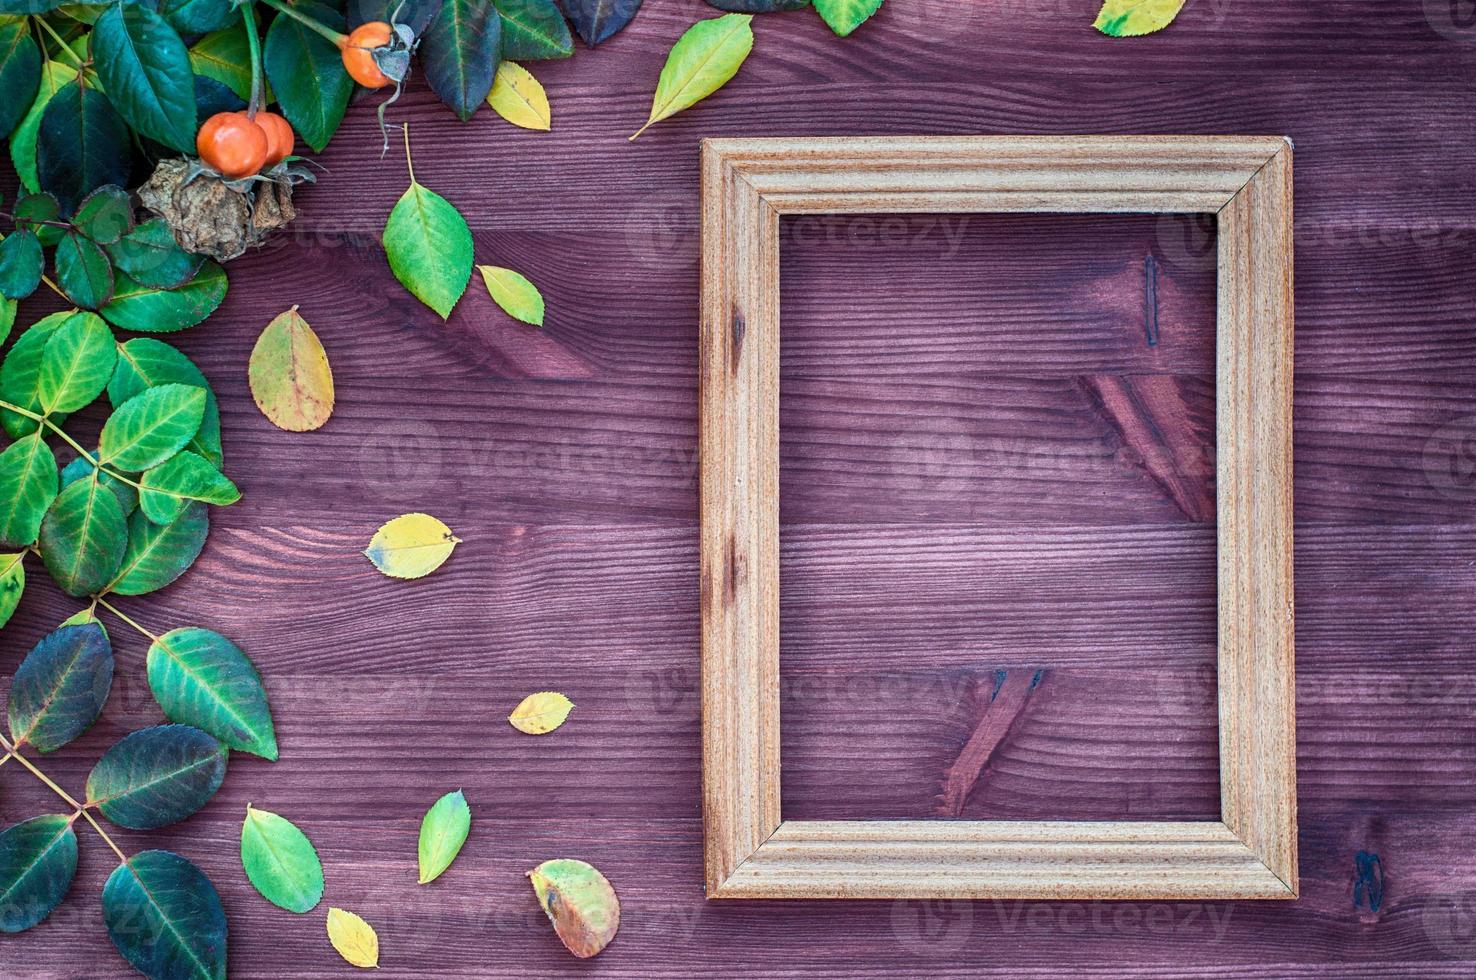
x: 291, y: 381
x: 354, y: 938
x: 411, y: 546
x: 518, y: 97
x: 541, y: 713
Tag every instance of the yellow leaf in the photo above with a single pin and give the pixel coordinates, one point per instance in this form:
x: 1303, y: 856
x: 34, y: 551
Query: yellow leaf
x: 518, y: 98
x: 1132, y: 18
x: 512, y: 291
x: 354, y: 938
x: 411, y: 546
x: 541, y: 713
x: 289, y: 374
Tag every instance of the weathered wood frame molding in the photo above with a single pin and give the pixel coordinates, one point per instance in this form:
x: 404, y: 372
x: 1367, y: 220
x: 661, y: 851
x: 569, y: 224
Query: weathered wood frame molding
x: 750, y: 850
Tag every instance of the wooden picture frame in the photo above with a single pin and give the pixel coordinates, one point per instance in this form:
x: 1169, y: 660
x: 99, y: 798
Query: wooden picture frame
x: 750, y: 850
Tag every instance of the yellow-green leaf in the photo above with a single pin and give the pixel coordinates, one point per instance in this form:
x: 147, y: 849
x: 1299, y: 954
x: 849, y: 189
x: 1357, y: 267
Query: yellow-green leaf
x: 541, y: 713
x: 411, y: 546
x: 354, y: 938
x: 700, y: 63
x: 518, y: 97
x: 513, y: 292
x: 1132, y: 18
x: 579, y: 902
x: 290, y: 378
x: 844, y: 16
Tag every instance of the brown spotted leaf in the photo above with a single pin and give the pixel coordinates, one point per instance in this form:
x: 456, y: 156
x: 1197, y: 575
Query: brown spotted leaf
x: 579, y: 902
x: 290, y: 378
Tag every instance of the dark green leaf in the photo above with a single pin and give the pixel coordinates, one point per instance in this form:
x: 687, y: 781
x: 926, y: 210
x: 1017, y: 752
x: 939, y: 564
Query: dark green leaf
x: 54, y: 75
x: 20, y: 374
x: 28, y: 6
x: 60, y: 688
x: 83, y: 537
x: 148, y: 310
x: 83, y: 271
x: 225, y: 57
x: 212, y: 97
x: 599, y: 20
x: 307, y: 74
x: 759, y: 6
x: 165, y: 917
x: 459, y: 53
x: 106, y: 215
x: 200, y: 678
x: 12, y: 583
x: 172, y: 484
x: 144, y: 362
x: 82, y: 144
x: 415, y: 14
x: 20, y: 73
x: 533, y: 30
x: 151, y: 427
x: 82, y: 469
x: 38, y: 858
x: 157, y: 776
x: 32, y: 210
x: 28, y: 485
x: 76, y: 363
x: 21, y: 265
x: 199, y: 16
x: 280, y: 861
x: 151, y: 257
x: 145, y: 69
x: 160, y: 553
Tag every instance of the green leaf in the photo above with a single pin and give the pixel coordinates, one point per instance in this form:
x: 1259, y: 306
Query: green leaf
x: 165, y: 917
x: 151, y: 257
x: 151, y: 427
x: 8, y: 309
x: 20, y: 72
x: 157, y: 776
x: 83, y: 271
x: 34, y: 211
x: 1133, y: 18
x: 184, y: 477
x: 145, y: 69
x: 28, y: 6
x: 225, y: 57
x: 82, y: 144
x: 442, y: 832
x: 700, y: 63
x: 307, y: 74
x: 844, y: 16
x: 105, y: 215
x: 81, y: 468
x: 599, y: 20
x: 60, y: 688
x: 148, y: 310
x: 429, y: 248
x: 12, y: 584
x: 144, y: 362
x: 280, y: 861
x: 21, y: 264
x: 28, y: 485
x: 459, y: 53
x: 20, y: 373
x: 83, y: 537
x: 76, y: 363
x: 38, y: 859
x: 198, y: 16
x: 54, y: 75
x: 201, y: 678
x: 533, y: 30
x: 160, y: 553
x: 518, y: 297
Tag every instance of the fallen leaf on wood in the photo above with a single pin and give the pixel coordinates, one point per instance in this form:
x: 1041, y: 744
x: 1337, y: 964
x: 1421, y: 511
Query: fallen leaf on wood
x: 844, y: 16
x: 700, y: 63
x: 579, y: 902
x: 518, y: 97
x: 442, y: 832
x: 280, y: 862
x: 411, y: 546
x: 291, y: 381
x: 512, y: 291
x: 1133, y: 18
x: 354, y: 938
x: 541, y: 713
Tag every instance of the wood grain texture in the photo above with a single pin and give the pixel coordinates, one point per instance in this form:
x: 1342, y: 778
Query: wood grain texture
x: 566, y: 459
x: 1247, y: 183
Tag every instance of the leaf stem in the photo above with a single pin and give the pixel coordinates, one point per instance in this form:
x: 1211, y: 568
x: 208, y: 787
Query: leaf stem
x: 66, y: 797
x: 409, y: 163
x: 96, y: 463
x: 124, y: 617
x: 62, y: 44
x: 253, y: 42
x: 338, y: 39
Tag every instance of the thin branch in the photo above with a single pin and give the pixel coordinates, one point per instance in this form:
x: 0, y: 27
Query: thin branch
x: 125, y: 618
x: 14, y: 752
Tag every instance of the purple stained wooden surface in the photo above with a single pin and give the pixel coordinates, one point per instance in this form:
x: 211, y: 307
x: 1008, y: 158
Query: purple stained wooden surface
x: 988, y: 473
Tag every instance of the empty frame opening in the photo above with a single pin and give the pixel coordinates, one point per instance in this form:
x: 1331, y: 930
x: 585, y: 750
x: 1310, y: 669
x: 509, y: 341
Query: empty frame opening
x: 997, y: 517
